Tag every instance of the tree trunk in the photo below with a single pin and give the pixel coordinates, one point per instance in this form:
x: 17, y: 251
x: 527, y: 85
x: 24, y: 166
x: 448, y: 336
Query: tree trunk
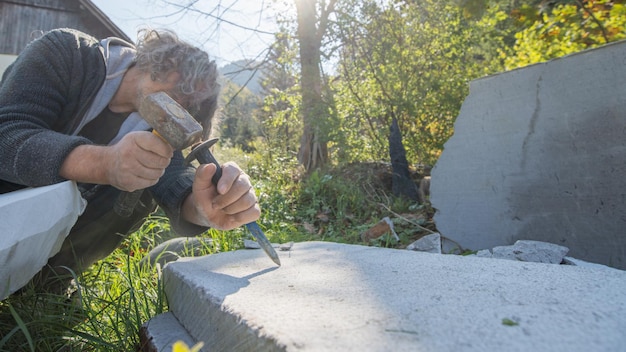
x: 313, y: 151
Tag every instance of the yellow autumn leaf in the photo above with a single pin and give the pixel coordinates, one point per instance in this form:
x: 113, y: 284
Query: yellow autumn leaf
x: 180, y: 346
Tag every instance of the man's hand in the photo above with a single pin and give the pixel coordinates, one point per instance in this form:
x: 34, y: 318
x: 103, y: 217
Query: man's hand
x: 137, y: 161
x: 229, y: 205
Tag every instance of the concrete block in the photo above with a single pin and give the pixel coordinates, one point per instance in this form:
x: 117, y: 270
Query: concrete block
x: 538, y: 154
x: 34, y: 222
x: 161, y: 332
x: 338, y: 297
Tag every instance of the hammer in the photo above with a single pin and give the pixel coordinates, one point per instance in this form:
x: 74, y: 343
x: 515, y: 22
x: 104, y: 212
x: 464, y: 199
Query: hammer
x: 173, y: 124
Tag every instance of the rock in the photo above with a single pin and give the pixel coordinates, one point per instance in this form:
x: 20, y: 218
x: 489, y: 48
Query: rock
x: 429, y: 243
x: 250, y: 244
x: 484, y: 253
x: 286, y: 246
x: 382, y: 227
x: 531, y: 251
x: 449, y: 246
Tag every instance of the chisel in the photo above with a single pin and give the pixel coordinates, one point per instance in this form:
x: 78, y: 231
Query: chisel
x: 202, y: 153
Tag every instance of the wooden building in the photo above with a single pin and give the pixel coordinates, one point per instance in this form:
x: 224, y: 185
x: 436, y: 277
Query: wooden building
x: 24, y: 20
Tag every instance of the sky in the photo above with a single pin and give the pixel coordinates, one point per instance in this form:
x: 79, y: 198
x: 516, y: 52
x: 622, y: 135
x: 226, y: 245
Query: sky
x: 244, y: 33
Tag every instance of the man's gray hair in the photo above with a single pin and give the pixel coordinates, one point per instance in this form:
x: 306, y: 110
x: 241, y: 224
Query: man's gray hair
x: 161, y: 52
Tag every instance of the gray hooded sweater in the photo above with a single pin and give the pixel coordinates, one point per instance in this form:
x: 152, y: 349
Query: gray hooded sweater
x: 57, y: 85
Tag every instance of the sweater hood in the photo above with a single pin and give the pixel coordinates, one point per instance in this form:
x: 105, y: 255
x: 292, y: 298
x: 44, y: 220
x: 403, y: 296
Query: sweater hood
x: 118, y: 56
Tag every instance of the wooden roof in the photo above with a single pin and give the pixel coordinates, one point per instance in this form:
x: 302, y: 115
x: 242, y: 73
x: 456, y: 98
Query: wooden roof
x: 23, y: 20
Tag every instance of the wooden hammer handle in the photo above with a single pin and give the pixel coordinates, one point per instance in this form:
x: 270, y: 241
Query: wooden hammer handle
x: 126, y: 202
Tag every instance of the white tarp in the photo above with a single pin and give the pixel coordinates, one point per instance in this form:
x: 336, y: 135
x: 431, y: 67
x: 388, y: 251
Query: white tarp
x: 33, y: 224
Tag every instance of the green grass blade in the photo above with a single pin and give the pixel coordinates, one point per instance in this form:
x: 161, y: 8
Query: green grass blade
x: 6, y: 338
x: 22, y: 326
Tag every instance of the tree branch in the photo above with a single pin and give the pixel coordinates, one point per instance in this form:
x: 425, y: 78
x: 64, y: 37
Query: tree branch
x: 190, y: 8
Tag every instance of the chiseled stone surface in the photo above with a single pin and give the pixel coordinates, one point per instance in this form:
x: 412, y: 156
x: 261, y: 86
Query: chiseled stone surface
x: 338, y: 297
x: 539, y: 153
x: 33, y: 224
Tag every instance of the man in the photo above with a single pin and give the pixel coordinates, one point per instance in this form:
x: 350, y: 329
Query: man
x: 68, y: 111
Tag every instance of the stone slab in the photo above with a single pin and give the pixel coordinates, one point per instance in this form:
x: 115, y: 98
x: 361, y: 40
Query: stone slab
x: 33, y: 224
x: 539, y: 153
x: 161, y: 332
x: 337, y: 297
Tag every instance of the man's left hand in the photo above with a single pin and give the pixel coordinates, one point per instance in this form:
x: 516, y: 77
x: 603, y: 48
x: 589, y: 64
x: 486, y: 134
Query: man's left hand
x: 231, y: 204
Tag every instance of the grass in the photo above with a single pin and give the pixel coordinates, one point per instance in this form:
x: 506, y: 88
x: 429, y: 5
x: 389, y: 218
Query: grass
x: 110, y: 302
x: 117, y: 295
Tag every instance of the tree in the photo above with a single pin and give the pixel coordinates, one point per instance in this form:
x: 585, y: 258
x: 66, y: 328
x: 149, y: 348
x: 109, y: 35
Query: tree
x: 281, y: 104
x: 312, y: 25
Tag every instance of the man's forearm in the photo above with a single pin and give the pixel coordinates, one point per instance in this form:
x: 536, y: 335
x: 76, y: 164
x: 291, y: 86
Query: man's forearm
x: 86, y: 163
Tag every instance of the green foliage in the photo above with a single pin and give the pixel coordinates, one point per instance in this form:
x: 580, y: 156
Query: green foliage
x: 237, y: 125
x: 337, y: 204
x: 567, y: 28
x: 331, y: 204
x: 280, y: 113
x: 509, y: 322
x: 413, y: 62
x: 274, y: 181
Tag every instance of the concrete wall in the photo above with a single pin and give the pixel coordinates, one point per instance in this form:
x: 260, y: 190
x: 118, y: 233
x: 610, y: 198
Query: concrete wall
x: 540, y: 153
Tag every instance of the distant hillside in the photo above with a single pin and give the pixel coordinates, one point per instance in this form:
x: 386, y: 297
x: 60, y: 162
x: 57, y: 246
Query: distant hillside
x: 244, y: 73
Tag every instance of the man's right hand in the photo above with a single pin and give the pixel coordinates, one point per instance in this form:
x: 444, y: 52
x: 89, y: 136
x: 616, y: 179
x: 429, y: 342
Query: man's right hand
x: 137, y: 161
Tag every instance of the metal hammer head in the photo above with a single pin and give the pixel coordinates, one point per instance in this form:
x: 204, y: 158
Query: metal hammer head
x: 170, y: 120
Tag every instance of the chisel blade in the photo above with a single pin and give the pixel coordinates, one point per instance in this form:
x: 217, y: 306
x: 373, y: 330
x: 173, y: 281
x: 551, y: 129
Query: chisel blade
x: 258, y: 234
